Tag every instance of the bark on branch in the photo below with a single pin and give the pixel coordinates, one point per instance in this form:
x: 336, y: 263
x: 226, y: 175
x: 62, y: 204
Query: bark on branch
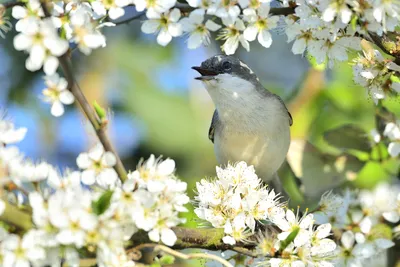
x: 98, y: 125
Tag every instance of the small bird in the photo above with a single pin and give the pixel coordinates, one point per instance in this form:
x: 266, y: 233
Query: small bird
x: 250, y: 123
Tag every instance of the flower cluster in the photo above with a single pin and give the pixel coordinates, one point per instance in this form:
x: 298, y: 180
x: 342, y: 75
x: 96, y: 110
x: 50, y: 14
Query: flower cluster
x: 357, y: 220
x: 69, y: 216
x: 327, y: 29
x: 38, y: 34
x: 379, y: 75
x: 97, y: 166
x: 237, y: 202
x: 255, y: 22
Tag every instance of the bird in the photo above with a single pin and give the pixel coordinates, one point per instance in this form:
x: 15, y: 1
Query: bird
x: 249, y: 123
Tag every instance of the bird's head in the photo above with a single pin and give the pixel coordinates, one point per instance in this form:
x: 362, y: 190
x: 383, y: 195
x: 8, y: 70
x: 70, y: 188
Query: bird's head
x: 230, y: 82
x: 221, y: 65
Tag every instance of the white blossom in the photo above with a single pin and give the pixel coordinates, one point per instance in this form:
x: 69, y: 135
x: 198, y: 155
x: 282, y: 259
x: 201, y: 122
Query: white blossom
x: 28, y: 17
x: 233, y: 34
x: 115, y: 8
x: 199, y: 32
x: 97, y: 167
x: 43, y: 45
x: 392, y: 131
x: 165, y: 24
x: 10, y: 135
x: 259, y: 25
x: 154, y: 6
x: 57, y: 94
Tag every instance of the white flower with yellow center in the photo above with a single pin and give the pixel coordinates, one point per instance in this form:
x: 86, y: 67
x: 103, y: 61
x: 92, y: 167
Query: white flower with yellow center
x: 232, y: 34
x: 165, y: 24
x: 28, y: 16
x: 43, y: 45
x: 154, y: 174
x: 153, y: 6
x: 57, y: 94
x: 293, y: 223
x: 259, y: 24
x: 115, y: 8
x: 97, y: 167
x: 199, y: 33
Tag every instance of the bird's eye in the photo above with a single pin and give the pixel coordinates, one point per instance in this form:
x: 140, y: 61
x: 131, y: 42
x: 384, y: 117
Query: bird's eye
x: 226, y: 66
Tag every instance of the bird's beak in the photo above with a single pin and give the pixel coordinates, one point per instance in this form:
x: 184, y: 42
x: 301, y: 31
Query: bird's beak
x: 206, y: 74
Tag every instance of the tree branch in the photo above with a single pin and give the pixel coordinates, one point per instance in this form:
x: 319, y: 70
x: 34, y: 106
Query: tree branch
x: 126, y: 21
x: 11, y: 4
x: 157, y: 247
x: 202, y: 238
x: 386, y: 45
x: 87, y: 109
x: 16, y: 217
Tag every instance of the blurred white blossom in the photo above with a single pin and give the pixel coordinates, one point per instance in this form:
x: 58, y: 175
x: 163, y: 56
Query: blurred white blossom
x: 57, y: 94
x: 10, y: 135
x: 166, y: 25
x: 43, y: 45
x: 97, y: 166
x: 199, y: 32
x: 260, y: 22
x: 232, y: 34
x: 392, y: 131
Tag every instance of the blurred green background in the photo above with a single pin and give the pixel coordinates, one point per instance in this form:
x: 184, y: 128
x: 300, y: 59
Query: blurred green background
x: 155, y: 106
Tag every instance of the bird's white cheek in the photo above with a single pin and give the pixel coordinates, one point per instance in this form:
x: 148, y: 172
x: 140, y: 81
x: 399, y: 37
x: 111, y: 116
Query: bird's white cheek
x: 211, y: 84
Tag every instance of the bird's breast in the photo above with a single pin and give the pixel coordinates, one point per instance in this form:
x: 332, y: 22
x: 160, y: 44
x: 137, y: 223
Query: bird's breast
x: 266, y: 150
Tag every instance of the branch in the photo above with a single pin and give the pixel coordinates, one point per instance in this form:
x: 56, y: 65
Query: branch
x: 201, y: 238
x: 180, y: 255
x: 16, y: 217
x: 273, y: 11
x: 97, y: 124
x: 284, y: 11
x: 126, y: 21
x: 11, y: 4
x: 386, y: 45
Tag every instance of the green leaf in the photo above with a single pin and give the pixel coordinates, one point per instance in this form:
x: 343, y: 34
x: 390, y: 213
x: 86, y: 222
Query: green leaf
x: 102, y: 204
x: 314, y: 63
x: 395, y: 79
x: 381, y: 231
x: 347, y: 137
x: 372, y: 174
x: 379, y: 152
x: 353, y: 22
x: 166, y: 259
x: 289, y: 239
x: 99, y: 110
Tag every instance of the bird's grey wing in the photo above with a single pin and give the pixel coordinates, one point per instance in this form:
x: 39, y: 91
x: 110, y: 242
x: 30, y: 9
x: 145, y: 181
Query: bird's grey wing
x: 290, y: 118
x: 213, y: 125
x: 290, y: 115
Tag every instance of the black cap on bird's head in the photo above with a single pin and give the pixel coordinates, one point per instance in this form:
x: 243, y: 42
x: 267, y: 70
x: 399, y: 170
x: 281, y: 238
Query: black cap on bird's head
x: 223, y: 64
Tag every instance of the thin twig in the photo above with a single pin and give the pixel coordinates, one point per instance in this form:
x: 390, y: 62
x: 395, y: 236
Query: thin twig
x: 273, y: 11
x: 91, y: 115
x: 11, y: 4
x: 87, y: 109
x: 180, y: 255
x: 126, y: 21
x: 378, y: 41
